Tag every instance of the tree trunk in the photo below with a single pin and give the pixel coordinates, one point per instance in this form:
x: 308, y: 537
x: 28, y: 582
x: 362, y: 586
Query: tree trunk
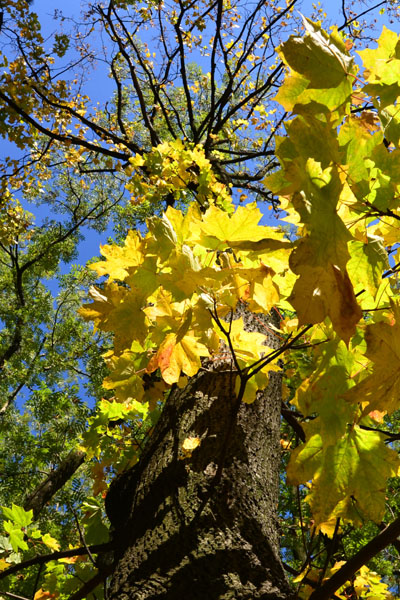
x: 203, y: 527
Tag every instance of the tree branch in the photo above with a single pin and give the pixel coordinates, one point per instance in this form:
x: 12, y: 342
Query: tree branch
x: 45, y: 491
x: 345, y: 573
x: 45, y: 558
x: 66, y: 139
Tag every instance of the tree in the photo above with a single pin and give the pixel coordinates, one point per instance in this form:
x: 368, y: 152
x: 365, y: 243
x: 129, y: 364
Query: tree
x: 193, y: 395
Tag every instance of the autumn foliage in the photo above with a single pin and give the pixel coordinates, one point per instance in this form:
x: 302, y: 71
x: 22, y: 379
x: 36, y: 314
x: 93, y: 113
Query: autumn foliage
x: 170, y: 293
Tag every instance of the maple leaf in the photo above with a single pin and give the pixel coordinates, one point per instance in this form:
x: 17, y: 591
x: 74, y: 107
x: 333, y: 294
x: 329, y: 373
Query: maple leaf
x: 324, y: 287
x: 368, y: 260
x: 322, y: 391
x: 249, y: 346
x: 42, y: 594
x: 221, y: 230
x: 390, y: 120
x: 177, y: 355
x: 370, y: 583
x: 50, y: 542
x: 323, y: 291
x: 349, y: 476
x: 184, y: 224
x: 189, y: 444
x: 320, y: 70
x: 380, y: 389
x: 98, y: 476
x: 120, y: 260
x: 119, y: 310
x: 125, y: 377
x: 356, y: 145
x: 382, y: 67
x: 253, y: 286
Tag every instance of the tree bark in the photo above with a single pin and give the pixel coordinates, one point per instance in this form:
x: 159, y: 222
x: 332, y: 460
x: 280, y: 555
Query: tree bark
x: 203, y: 527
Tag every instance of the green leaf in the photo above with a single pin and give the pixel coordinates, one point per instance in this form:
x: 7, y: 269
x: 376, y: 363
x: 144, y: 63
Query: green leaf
x: 35, y: 534
x: 379, y: 390
x: 320, y: 80
x: 347, y: 477
x: 319, y: 57
x: 368, y: 260
x: 18, y: 515
x: 16, y: 536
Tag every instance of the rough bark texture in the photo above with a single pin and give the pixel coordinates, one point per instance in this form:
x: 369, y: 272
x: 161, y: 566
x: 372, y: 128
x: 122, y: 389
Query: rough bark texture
x: 203, y: 527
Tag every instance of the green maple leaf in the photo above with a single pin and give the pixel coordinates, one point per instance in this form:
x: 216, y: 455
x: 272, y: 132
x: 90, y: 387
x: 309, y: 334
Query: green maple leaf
x: 390, y: 119
x: 320, y: 57
x: 124, y: 377
x: 18, y: 515
x: 322, y: 392
x: 16, y: 536
x: 356, y: 145
x: 348, y: 477
x: 380, y: 389
x: 368, y: 260
x: 320, y: 64
x: 323, y: 287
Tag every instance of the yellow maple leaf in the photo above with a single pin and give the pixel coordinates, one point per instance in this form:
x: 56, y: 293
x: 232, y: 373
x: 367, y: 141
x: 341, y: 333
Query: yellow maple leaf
x: 241, y: 226
x: 120, y: 260
x: 256, y: 287
x: 42, y: 594
x: 50, y: 542
x: 249, y: 346
x: 348, y: 478
x: 117, y: 309
x: 323, y: 290
x: 176, y: 356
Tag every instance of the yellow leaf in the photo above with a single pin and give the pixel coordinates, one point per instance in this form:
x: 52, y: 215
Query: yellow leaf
x: 50, y: 542
x: 120, y: 260
x: 189, y: 444
x: 119, y: 310
x: 43, y: 594
x: 348, y: 478
x: 3, y: 564
x: 249, y: 346
x: 241, y: 226
x: 177, y: 356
